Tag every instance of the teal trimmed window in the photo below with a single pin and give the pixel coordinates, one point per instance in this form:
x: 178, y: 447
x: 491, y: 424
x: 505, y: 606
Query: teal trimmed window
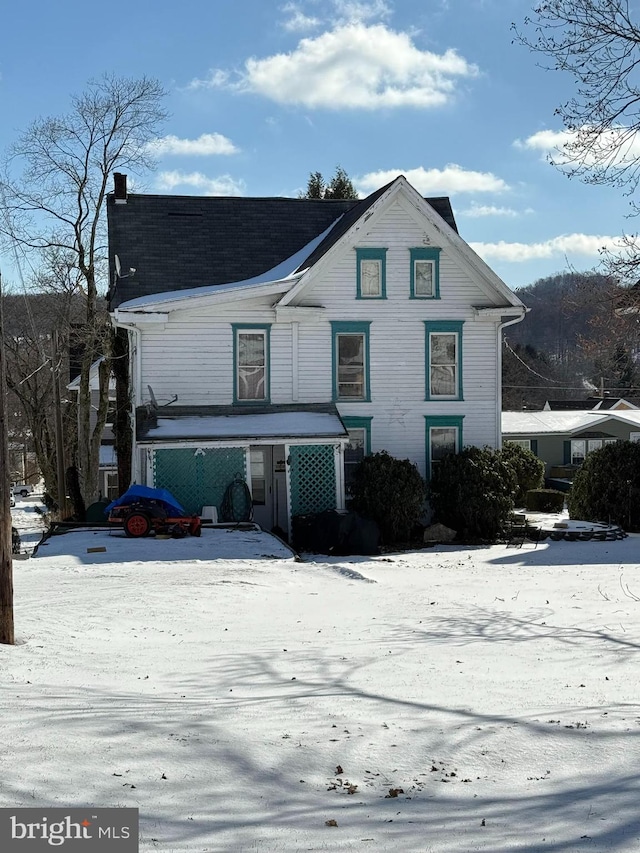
x: 359, y: 446
x: 443, y: 436
x: 425, y: 273
x: 251, y: 344
x: 443, y: 359
x: 350, y: 360
x: 371, y: 273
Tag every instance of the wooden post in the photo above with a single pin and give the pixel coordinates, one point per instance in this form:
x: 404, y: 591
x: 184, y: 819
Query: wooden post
x: 7, y: 635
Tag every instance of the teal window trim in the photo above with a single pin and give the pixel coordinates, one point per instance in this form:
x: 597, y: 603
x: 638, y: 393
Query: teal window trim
x: 356, y: 422
x: 350, y: 327
x: 371, y: 255
x: 439, y: 422
x: 443, y: 327
x: 237, y: 328
x: 424, y: 254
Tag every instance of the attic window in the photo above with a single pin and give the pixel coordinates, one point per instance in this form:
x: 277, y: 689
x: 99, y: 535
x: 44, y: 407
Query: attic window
x: 371, y: 273
x: 425, y: 273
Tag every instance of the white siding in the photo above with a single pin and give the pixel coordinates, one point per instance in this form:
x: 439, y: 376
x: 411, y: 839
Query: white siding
x: 191, y: 356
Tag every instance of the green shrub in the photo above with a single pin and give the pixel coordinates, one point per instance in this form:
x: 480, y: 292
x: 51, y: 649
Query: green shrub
x: 529, y: 470
x: 391, y: 492
x: 606, y: 487
x: 472, y: 492
x: 544, y: 500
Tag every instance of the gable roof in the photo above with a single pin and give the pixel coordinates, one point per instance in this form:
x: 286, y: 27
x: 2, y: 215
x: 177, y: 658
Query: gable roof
x: 180, y: 242
x: 591, y: 403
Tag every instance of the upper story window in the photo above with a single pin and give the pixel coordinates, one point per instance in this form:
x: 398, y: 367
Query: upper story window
x: 425, y: 273
x: 443, y: 351
x: 371, y: 273
x: 350, y: 360
x: 251, y: 363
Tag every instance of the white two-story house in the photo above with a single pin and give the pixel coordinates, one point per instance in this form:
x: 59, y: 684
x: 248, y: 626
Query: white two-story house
x: 282, y: 339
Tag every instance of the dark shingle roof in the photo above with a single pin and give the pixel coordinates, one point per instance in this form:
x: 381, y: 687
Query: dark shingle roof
x: 181, y: 242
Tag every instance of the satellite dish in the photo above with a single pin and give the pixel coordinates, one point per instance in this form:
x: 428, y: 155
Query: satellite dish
x: 154, y: 402
x: 116, y: 261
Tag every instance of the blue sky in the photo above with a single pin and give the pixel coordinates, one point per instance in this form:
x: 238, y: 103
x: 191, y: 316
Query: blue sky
x: 262, y: 92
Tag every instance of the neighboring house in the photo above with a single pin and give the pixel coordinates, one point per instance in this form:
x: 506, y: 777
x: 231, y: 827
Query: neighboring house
x: 108, y: 472
x: 282, y: 339
x: 563, y: 439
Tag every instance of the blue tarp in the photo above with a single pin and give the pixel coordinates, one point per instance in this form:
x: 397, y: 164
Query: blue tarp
x: 162, y: 496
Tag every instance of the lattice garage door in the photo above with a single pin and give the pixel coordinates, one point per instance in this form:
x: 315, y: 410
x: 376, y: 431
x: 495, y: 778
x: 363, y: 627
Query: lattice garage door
x: 198, y: 478
x: 312, y: 478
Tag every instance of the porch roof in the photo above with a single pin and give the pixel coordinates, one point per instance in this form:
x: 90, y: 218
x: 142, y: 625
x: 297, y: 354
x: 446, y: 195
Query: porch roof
x: 188, y: 423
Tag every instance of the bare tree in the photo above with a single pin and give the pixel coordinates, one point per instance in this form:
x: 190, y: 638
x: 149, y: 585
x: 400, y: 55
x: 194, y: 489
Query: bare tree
x: 598, y: 43
x: 55, y: 186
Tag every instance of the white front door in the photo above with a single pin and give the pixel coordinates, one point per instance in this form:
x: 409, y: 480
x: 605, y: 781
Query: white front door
x: 269, y: 486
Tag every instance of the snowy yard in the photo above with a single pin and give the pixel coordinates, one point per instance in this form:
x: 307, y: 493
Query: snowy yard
x: 447, y: 700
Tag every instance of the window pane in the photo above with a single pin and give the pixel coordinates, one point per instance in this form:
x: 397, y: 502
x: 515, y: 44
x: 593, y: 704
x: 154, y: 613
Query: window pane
x: 251, y: 349
x: 443, y: 442
x: 443, y: 349
x: 594, y: 444
x: 578, y: 450
x: 443, y: 382
x: 370, y: 278
x: 251, y: 366
x: 353, y: 454
x: 258, y: 482
x: 423, y: 278
x: 351, y: 366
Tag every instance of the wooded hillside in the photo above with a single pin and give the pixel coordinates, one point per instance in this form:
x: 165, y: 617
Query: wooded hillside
x: 572, y: 343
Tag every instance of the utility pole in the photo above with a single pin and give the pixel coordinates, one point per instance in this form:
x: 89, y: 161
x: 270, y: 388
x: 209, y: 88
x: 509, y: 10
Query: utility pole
x: 55, y: 366
x: 7, y: 635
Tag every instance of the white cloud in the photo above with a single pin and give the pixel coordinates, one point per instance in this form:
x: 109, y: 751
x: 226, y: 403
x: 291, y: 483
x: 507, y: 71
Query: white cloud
x: 588, y: 245
x: 204, y: 146
x: 618, y: 147
x: 297, y: 20
x: 353, y: 66
x: 478, y: 210
x: 448, y: 181
x: 356, y: 11
x: 222, y: 185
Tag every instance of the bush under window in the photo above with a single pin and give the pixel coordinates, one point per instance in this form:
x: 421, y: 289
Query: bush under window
x: 391, y: 492
x: 472, y: 492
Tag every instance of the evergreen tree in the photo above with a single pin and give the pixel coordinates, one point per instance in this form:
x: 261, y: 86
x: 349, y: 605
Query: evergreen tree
x: 340, y: 186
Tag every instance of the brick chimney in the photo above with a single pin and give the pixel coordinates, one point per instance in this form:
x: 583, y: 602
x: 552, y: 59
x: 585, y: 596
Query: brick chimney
x: 120, y: 188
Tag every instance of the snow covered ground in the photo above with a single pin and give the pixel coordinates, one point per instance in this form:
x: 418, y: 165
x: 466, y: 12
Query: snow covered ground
x: 441, y: 701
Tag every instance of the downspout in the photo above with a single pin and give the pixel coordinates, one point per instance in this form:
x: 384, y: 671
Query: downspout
x: 135, y: 356
x: 502, y: 326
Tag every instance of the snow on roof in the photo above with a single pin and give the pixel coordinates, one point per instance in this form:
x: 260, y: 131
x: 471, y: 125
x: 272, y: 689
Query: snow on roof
x: 284, y: 271
x: 529, y: 423
x: 268, y: 425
